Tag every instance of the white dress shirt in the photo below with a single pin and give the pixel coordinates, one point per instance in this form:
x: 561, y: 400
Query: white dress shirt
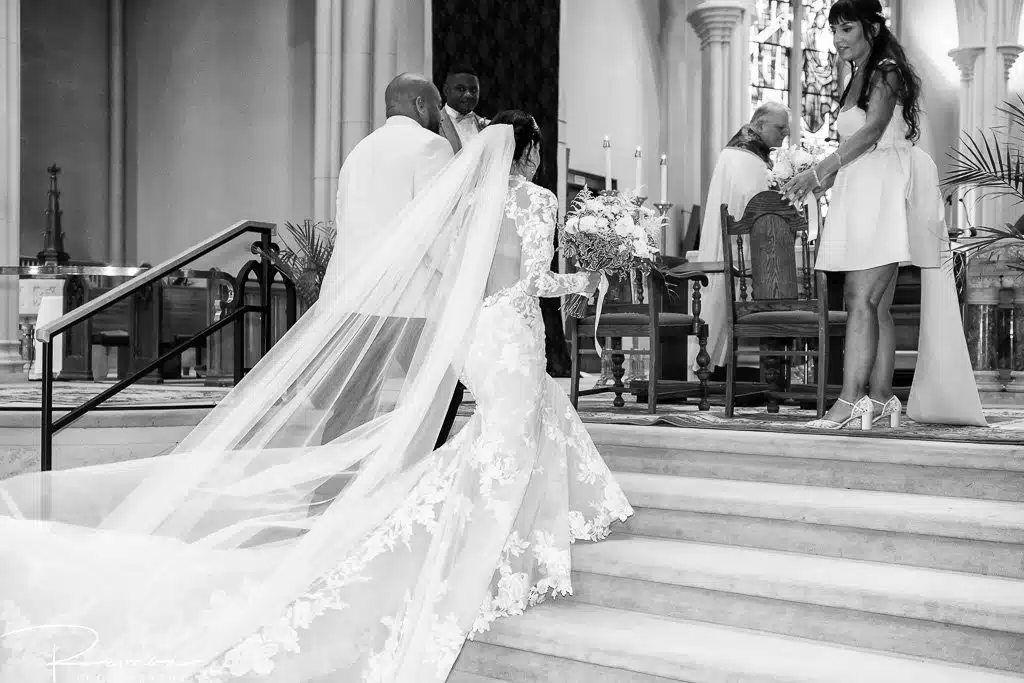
x: 466, y: 127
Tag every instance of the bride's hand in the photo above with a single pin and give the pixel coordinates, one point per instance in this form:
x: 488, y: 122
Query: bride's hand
x: 797, y: 189
x: 595, y: 279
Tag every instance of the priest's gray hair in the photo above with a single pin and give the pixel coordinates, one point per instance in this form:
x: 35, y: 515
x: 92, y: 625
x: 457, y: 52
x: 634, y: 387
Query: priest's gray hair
x: 767, y: 109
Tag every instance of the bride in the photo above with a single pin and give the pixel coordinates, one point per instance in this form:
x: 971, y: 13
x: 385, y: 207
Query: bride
x: 227, y: 561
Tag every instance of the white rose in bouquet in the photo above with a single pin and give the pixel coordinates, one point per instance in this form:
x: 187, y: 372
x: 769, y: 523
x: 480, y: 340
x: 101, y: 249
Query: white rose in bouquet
x: 572, y: 225
x: 625, y: 227
x: 783, y: 170
x: 602, y: 223
x: 801, y: 158
x: 588, y: 224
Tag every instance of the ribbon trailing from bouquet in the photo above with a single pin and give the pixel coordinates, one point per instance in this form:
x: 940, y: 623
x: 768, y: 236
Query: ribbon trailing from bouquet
x: 813, y: 219
x: 602, y: 289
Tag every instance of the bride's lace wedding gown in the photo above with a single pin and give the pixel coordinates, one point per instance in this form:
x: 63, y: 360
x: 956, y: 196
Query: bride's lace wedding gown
x: 488, y: 527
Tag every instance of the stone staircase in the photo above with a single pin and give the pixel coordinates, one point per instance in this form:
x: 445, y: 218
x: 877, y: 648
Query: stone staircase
x: 756, y: 557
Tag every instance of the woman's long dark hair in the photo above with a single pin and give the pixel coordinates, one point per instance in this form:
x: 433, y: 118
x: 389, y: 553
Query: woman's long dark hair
x: 524, y: 128
x: 886, y: 56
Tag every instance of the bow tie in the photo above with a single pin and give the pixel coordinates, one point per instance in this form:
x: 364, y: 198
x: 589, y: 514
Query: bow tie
x: 462, y: 117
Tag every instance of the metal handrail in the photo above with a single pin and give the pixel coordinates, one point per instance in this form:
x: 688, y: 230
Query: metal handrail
x: 126, y: 289
x: 49, y: 427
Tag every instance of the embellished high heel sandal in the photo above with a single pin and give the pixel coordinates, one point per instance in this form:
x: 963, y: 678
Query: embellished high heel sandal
x: 891, y: 409
x: 861, y: 410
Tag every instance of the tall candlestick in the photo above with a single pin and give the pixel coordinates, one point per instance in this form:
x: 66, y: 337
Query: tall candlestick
x: 607, y: 163
x: 664, y: 179
x: 639, y: 180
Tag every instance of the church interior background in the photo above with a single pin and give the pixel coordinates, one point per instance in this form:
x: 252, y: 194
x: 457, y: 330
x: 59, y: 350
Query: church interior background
x: 760, y: 550
x: 171, y: 121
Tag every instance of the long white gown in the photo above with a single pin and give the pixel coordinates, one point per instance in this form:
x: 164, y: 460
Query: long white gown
x: 421, y: 549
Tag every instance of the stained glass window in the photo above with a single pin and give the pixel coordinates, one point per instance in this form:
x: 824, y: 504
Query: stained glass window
x: 821, y: 87
x: 771, y: 42
x: 772, y: 45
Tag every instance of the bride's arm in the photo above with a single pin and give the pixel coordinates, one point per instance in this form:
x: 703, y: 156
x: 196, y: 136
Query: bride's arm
x: 539, y: 249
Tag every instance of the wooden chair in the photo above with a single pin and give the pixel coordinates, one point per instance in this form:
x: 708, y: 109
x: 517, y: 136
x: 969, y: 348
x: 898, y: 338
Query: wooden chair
x: 659, y: 319
x: 776, y: 300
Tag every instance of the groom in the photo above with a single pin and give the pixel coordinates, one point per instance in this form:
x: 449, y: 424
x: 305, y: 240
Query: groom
x: 380, y: 176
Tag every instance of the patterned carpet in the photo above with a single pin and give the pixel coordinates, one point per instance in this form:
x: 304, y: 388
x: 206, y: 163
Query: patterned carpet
x: 1006, y: 422
x: 29, y: 395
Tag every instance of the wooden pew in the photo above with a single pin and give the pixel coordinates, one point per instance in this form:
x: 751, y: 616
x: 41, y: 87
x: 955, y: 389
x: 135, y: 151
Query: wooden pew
x: 139, y: 328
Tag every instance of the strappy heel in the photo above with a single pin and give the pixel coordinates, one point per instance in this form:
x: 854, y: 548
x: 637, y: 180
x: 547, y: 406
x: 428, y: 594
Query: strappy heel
x: 861, y: 410
x: 891, y: 409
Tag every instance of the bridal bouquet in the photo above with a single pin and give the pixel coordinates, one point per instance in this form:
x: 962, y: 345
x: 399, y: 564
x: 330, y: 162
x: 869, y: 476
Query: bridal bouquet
x: 608, y: 233
x: 791, y: 160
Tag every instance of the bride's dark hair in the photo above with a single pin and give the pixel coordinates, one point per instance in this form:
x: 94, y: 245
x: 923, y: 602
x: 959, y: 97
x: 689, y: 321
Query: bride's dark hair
x: 524, y: 128
x: 886, y: 56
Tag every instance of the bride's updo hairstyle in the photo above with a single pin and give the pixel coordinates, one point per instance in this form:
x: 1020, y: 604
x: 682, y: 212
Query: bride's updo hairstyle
x: 524, y: 128
x: 886, y: 56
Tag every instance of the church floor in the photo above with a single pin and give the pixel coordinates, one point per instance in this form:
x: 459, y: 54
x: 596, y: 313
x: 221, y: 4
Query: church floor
x: 1006, y: 421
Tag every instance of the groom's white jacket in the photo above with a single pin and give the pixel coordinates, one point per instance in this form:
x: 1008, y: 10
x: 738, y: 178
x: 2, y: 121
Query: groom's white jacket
x: 380, y: 176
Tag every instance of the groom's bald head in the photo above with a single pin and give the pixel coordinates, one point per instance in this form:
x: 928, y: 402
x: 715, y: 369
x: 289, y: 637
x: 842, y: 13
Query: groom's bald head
x: 415, y: 96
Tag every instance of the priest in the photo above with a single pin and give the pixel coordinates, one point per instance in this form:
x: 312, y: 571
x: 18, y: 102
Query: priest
x: 740, y: 173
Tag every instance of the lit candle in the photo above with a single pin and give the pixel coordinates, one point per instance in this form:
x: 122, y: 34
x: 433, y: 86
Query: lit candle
x: 639, y: 181
x: 607, y: 163
x: 664, y: 179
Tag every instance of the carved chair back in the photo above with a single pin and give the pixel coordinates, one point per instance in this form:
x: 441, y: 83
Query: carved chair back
x: 766, y: 275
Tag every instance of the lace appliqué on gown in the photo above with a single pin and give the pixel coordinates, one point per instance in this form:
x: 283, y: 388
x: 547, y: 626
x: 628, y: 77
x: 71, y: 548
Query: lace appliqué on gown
x: 485, y: 532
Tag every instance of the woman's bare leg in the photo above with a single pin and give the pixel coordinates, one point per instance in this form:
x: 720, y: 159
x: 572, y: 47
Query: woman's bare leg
x: 865, y: 290
x: 880, y: 382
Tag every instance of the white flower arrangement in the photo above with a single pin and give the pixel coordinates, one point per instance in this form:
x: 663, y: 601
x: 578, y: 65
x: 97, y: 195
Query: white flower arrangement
x: 791, y: 160
x: 609, y: 233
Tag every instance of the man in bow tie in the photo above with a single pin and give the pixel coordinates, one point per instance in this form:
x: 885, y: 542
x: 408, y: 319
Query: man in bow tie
x: 459, y: 123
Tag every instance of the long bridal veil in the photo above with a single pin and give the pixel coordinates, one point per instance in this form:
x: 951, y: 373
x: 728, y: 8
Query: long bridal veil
x: 151, y: 569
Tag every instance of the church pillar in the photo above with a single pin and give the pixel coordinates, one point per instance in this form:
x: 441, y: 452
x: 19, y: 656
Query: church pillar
x: 326, y: 118
x: 989, y: 46
x: 360, y: 45
x: 11, y: 364
x: 385, y: 55
x: 116, y: 237
x: 715, y: 22
x: 966, y: 58
x: 357, y: 73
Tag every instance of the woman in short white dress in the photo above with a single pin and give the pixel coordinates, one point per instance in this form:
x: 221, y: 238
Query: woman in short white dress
x: 881, y: 216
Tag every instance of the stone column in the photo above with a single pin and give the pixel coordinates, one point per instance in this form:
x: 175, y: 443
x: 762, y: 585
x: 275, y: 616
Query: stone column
x: 357, y: 73
x: 11, y: 365
x: 325, y: 117
x: 966, y: 58
x: 715, y: 22
x: 116, y: 236
x: 385, y: 55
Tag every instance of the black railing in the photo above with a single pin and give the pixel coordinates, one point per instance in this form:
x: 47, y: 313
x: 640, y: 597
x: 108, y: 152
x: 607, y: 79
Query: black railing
x: 264, y: 276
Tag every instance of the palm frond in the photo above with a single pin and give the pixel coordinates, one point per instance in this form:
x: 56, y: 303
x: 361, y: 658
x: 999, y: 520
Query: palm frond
x: 986, y: 163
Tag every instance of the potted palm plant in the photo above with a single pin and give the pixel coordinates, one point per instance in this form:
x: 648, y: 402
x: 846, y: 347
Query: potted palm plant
x: 304, y: 256
x: 992, y: 165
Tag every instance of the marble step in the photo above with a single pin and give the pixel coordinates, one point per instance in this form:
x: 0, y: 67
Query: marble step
x: 815, y: 446
x: 573, y: 642
x: 957, y: 617
x: 966, y: 535
x: 790, y: 467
